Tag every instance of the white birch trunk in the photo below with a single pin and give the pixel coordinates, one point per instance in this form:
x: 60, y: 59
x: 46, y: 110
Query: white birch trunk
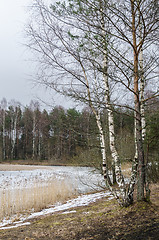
x: 33, y: 141
x: 133, y: 177
x: 101, y: 133
x: 103, y: 149
x: 14, y: 132
x: 135, y: 137
x: 39, y: 146
x: 4, y: 145
x: 142, y: 107
x: 142, y: 87
x: 4, y: 106
x: 116, y: 160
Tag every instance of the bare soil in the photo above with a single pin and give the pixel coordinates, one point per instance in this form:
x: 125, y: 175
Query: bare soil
x: 99, y: 221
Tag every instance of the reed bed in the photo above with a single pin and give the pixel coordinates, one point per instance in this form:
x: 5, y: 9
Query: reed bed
x: 35, y: 198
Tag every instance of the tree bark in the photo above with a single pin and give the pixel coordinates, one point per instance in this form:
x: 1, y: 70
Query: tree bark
x: 116, y: 166
x: 14, y: 131
x: 101, y: 133
x: 141, y: 165
x: 4, y: 144
x: 103, y: 149
x: 33, y: 140
x: 142, y: 106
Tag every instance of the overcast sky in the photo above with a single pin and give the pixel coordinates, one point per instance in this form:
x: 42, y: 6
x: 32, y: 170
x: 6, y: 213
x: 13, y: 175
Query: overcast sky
x: 15, y: 69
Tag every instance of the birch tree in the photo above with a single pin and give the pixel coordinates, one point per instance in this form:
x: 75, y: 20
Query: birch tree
x: 71, y: 41
x: 34, y: 106
x: 78, y: 77
x: 14, y: 116
x: 139, y: 39
x: 4, y: 107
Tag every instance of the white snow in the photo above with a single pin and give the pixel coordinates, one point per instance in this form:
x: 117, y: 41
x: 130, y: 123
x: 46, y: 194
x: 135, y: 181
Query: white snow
x: 82, y: 200
x: 67, y: 212
x: 15, y: 226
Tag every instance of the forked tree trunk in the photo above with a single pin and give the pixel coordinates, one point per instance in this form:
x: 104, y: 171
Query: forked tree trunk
x: 117, y: 174
x: 119, y: 195
x: 101, y: 133
x: 142, y: 106
x: 141, y: 165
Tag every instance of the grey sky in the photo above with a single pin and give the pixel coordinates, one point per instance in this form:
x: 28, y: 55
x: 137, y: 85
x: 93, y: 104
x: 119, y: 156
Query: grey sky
x: 15, y: 69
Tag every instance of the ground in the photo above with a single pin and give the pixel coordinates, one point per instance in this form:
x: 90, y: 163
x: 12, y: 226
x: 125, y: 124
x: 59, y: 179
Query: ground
x: 99, y: 221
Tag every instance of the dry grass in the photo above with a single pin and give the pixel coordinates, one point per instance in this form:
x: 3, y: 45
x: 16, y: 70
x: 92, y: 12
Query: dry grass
x: 38, y: 196
x: 24, y: 200
x: 11, y: 167
x: 99, y: 221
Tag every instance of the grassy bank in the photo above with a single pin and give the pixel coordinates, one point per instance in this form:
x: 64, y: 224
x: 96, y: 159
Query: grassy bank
x: 99, y: 221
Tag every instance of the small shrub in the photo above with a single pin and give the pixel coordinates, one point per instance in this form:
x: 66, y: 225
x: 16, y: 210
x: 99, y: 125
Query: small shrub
x: 153, y: 171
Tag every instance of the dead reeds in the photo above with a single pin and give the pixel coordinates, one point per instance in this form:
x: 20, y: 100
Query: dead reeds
x: 35, y: 198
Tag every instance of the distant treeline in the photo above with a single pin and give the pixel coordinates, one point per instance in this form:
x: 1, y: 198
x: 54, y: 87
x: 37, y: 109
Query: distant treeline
x: 67, y: 134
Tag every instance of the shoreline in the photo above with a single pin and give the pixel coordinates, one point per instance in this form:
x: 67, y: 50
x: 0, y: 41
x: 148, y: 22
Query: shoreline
x: 21, y: 167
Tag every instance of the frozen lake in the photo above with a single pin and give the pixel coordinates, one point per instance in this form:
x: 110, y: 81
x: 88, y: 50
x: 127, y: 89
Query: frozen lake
x: 82, y: 179
x: 24, y: 190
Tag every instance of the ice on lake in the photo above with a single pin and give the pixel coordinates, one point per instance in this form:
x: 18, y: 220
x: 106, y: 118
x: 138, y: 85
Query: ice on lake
x: 83, y: 179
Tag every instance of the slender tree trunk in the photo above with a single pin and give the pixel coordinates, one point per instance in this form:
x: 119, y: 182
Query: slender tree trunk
x: 101, y: 133
x: 142, y: 107
x: 103, y: 149
x: 134, y: 166
x: 33, y: 140
x: 117, y: 174
x: 116, y: 160
x: 3, y: 106
x: 39, y: 146
x: 4, y: 144
x: 14, y: 133
x: 141, y: 165
x: 142, y: 86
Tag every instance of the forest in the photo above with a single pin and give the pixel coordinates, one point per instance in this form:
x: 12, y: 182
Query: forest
x: 70, y: 136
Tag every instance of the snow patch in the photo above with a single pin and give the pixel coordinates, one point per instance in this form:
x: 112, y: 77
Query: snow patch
x: 67, y: 212
x: 82, y: 200
x: 17, y: 225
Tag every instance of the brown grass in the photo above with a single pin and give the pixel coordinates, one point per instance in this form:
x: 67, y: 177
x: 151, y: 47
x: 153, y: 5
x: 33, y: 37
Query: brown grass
x: 25, y: 200
x: 102, y: 220
x: 11, y: 167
